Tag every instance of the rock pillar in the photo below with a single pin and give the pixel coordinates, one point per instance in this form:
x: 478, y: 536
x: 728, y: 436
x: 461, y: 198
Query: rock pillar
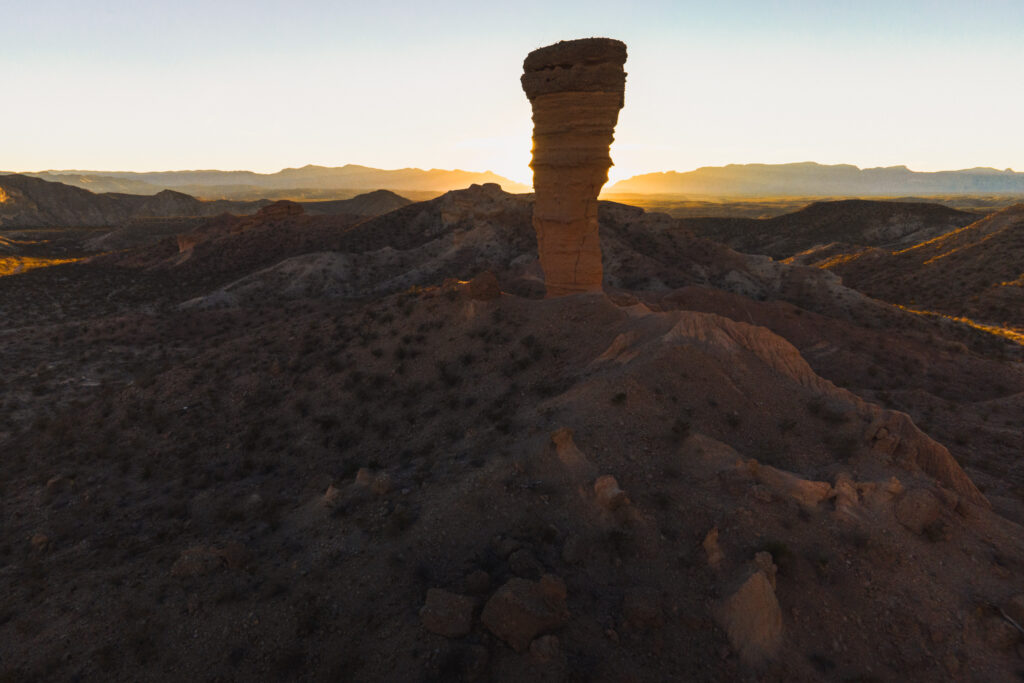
x: 576, y: 88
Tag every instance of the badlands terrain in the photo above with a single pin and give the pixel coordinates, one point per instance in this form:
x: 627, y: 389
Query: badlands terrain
x: 302, y: 445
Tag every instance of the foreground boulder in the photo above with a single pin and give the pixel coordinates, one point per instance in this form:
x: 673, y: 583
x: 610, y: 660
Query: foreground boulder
x: 521, y: 610
x: 752, y: 617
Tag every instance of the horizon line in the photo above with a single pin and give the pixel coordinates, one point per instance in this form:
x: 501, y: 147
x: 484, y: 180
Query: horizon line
x: 492, y: 172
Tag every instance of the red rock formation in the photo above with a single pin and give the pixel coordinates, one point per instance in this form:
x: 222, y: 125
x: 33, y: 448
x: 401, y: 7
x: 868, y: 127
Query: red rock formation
x: 576, y: 89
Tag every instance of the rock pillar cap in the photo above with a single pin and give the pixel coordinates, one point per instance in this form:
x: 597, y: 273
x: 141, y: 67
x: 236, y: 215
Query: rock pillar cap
x: 584, y: 65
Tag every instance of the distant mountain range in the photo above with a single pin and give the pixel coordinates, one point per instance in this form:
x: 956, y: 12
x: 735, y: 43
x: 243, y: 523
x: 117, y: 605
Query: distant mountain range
x: 817, y: 180
x: 310, y: 182
x: 805, y: 180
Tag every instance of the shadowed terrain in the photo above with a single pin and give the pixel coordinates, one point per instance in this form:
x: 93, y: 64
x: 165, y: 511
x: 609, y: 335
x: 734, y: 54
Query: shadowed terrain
x: 292, y: 446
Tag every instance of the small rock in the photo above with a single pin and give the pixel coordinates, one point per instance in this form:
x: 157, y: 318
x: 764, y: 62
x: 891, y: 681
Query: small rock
x: 40, y: 542
x: 379, y: 483
x: 847, y: 500
x: 521, y: 610
x: 59, y: 484
x: 609, y: 495
x: 545, y: 648
x: 572, y: 458
x: 917, y: 509
x: 447, y: 614
x: 477, y: 582
x: 712, y: 549
x: 332, y: 496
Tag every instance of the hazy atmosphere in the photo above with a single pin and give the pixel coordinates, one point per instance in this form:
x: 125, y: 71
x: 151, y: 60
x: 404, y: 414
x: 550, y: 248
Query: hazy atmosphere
x: 265, y: 85
x: 504, y: 343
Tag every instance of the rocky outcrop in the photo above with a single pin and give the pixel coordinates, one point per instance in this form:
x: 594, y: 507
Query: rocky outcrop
x: 889, y: 433
x: 576, y: 88
x: 752, y: 617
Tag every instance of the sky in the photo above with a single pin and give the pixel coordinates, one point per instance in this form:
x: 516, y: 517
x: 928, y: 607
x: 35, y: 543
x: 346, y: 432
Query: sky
x: 268, y: 84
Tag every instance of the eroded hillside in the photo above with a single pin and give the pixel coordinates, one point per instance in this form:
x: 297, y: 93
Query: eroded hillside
x: 281, y: 447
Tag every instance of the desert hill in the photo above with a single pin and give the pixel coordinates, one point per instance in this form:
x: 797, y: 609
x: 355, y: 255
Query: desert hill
x: 31, y: 202
x: 812, y: 179
x: 367, y: 204
x: 854, y: 221
x: 298, y: 182
x: 483, y: 228
x: 46, y: 223
x: 27, y: 202
x: 366, y: 448
x: 974, y: 271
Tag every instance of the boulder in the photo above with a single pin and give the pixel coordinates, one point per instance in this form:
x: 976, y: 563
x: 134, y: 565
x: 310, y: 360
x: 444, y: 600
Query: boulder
x: 752, y: 617
x: 521, y: 610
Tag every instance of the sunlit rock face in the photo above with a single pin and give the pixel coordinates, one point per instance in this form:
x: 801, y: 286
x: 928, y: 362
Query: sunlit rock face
x: 576, y: 88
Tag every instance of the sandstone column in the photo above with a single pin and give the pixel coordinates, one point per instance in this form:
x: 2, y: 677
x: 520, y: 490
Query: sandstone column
x: 576, y: 89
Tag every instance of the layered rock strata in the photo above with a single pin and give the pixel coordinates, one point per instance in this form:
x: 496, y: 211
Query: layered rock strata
x: 576, y: 88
